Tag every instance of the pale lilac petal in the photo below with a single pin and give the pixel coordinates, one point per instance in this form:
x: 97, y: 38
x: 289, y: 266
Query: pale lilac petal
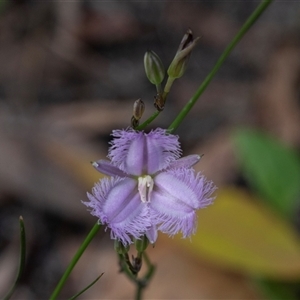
x: 152, y: 234
x: 135, y: 162
x: 138, y: 153
x: 105, y: 167
x: 177, y: 194
x: 162, y: 149
x: 151, y: 188
x: 185, y: 162
x: 116, y: 202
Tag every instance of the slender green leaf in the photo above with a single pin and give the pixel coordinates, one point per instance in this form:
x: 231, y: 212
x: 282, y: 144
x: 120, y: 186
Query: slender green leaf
x: 74, y: 260
x: 22, y: 259
x: 272, y: 169
x: 86, y: 288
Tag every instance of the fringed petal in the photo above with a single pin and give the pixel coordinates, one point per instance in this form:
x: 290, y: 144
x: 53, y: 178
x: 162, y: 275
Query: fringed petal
x: 176, y: 196
x: 116, y: 202
x: 138, y: 153
x: 162, y: 149
x: 151, y: 189
x: 152, y: 234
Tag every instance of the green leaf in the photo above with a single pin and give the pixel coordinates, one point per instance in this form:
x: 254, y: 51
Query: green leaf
x: 86, y: 288
x: 22, y: 259
x: 74, y: 260
x: 240, y: 233
x: 271, y: 168
x: 275, y: 290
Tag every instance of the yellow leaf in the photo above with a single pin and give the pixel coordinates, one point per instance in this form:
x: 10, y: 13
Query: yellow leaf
x: 243, y: 234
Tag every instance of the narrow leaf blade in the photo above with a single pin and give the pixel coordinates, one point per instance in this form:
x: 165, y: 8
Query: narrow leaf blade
x: 86, y: 288
x: 22, y: 259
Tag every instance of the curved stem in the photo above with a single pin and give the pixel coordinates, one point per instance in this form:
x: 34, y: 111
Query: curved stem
x: 75, y: 259
x: 247, y: 25
x: 145, y: 280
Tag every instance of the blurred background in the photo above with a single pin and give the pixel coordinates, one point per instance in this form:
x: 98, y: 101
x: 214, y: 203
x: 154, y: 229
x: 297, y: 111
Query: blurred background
x: 69, y: 74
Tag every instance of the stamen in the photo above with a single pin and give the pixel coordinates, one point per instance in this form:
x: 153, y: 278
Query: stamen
x: 145, y: 187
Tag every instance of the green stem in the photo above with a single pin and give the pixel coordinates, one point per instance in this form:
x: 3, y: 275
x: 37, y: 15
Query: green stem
x: 164, y: 95
x: 142, y: 283
x: 247, y: 25
x: 168, y: 86
x: 148, y: 121
x: 158, y: 88
x: 75, y: 259
x: 138, y: 295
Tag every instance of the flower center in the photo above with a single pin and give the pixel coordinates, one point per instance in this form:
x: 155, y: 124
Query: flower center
x: 145, y: 187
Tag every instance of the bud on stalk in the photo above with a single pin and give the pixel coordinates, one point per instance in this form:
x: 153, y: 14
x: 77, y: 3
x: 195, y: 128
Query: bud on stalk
x: 179, y: 63
x: 141, y: 244
x: 154, y: 68
x: 138, y: 110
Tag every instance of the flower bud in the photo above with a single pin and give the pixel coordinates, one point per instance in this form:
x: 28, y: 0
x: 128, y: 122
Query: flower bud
x: 179, y: 63
x: 154, y: 68
x: 138, y: 109
x: 120, y: 248
x: 141, y: 244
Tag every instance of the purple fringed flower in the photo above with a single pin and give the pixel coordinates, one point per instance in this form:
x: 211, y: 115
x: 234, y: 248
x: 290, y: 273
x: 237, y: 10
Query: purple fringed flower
x: 151, y: 188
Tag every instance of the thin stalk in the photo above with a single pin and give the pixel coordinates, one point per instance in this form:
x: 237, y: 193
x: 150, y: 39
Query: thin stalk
x: 139, y: 290
x: 247, y: 25
x: 148, y: 121
x: 158, y: 89
x: 74, y: 261
x: 140, y: 283
x: 164, y: 95
x: 126, y: 269
x: 168, y: 86
x: 143, y: 283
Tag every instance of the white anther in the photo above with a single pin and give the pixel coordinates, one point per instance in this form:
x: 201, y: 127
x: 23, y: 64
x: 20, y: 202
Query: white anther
x: 145, y: 187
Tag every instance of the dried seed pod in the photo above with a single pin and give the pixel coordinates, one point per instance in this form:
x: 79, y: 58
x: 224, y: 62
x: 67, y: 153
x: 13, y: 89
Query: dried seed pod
x: 138, y: 109
x: 159, y: 102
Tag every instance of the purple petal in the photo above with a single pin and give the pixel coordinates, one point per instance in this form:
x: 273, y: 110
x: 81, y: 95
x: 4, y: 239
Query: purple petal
x: 116, y: 202
x: 185, y: 162
x: 177, y: 194
x: 151, y: 234
x: 105, y: 167
x: 138, y: 153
